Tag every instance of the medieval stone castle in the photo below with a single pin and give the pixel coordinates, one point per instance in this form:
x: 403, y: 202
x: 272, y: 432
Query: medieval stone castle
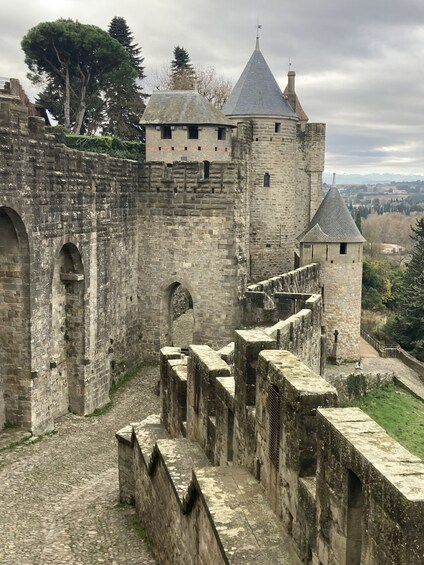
x: 228, y: 208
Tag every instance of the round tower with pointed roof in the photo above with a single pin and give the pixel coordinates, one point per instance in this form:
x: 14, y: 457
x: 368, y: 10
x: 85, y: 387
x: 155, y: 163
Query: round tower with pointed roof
x: 286, y: 160
x: 333, y: 240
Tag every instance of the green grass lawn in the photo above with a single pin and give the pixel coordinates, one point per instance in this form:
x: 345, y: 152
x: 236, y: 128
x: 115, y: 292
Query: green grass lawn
x: 399, y: 413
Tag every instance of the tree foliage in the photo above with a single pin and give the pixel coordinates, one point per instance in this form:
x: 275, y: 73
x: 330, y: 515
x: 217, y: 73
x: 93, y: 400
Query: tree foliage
x: 215, y: 88
x: 125, y: 105
x: 77, y: 65
x: 409, y: 327
x: 380, y: 285
x: 182, y: 75
x: 392, y: 227
x: 119, y: 30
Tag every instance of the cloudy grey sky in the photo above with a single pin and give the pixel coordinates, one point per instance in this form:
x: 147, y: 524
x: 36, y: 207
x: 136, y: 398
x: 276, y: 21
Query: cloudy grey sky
x: 359, y: 65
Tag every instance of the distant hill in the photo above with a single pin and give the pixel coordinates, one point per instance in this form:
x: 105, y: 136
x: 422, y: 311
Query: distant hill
x: 346, y: 178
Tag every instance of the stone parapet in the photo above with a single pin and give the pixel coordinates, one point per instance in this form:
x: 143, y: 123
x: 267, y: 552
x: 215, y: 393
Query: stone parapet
x: 370, y: 493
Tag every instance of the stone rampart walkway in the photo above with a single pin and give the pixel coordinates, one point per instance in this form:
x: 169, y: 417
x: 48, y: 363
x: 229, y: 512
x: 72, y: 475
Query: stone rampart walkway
x: 59, y: 496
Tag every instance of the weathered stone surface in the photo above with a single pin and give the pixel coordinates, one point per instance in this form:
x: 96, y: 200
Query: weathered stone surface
x: 357, y: 457
x: 246, y: 526
x: 59, y: 494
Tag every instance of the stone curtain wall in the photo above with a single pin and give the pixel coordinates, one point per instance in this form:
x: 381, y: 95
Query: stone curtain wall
x: 277, y: 298
x: 139, y: 232
x: 192, y: 232
x: 344, y: 491
x: 301, y: 334
x: 66, y: 197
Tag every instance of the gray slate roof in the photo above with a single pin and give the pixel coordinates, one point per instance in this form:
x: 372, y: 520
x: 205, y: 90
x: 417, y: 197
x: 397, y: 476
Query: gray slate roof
x: 257, y: 93
x: 182, y: 107
x: 332, y: 222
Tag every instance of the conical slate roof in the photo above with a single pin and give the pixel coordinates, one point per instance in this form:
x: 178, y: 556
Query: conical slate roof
x: 332, y: 222
x: 182, y: 107
x: 257, y: 93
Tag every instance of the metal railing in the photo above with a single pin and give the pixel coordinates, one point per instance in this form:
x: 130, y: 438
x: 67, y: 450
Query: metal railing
x: 392, y: 350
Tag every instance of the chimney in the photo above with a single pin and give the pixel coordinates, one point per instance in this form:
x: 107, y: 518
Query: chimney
x: 291, y: 92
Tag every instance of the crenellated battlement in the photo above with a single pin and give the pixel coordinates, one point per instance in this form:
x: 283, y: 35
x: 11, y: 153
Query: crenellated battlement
x: 328, y: 473
x: 219, y: 178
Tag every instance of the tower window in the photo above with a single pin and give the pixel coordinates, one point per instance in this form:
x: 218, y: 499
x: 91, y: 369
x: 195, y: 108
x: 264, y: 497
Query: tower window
x: 166, y: 132
x: 222, y: 134
x: 205, y: 169
x: 277, y: 127
x: 343, y: 248
x: 193, y: 132
x: 267, y: 180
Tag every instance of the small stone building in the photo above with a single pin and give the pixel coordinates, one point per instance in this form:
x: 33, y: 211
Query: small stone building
x: 181, y: 125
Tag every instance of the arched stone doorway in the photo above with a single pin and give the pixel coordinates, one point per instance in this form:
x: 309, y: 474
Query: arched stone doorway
x: 15, y: 381
x: 67, y: 370
x: 179, y: 314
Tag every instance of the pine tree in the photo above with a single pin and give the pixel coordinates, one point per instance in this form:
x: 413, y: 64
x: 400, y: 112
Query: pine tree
x: 409, y: 330
x: 182, y: 72
x: 80, y: 65
x: 119, y: 30
x: 124, y: 107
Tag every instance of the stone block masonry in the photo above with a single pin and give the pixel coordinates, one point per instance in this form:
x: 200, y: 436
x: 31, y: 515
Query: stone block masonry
x: 91, y: 251
x: 70, y: 219
x: 192, y: 233
x: 285, y: 169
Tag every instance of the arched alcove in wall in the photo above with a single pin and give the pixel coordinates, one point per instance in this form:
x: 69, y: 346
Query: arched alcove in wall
x: 15, y: 383
x: 67, y: 369
x: 179, y: 316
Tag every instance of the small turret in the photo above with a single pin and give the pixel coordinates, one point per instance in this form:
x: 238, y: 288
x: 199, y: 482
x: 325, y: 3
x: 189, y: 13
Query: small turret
x: 333, y: 240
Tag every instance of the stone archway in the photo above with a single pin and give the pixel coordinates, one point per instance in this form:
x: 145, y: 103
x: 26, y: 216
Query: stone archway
x: 15, y: 363
x: 179, y: 316
x: 67, y: 369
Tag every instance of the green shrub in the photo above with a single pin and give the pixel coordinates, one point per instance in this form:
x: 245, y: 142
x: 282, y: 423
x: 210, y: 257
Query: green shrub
x: 108, y: 145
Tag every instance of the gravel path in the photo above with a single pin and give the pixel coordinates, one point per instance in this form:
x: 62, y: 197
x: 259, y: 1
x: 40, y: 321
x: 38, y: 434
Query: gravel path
x: 59, y: 495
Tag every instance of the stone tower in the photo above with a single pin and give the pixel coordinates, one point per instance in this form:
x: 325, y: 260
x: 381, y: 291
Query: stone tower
x: 285, y: 158
x: 334, y: 241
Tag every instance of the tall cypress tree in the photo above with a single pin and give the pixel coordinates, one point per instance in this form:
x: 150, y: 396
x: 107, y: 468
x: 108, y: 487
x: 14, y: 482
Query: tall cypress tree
x: 409, y: 330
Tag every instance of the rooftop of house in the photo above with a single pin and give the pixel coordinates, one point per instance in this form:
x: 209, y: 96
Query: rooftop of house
x: 182, y: 107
